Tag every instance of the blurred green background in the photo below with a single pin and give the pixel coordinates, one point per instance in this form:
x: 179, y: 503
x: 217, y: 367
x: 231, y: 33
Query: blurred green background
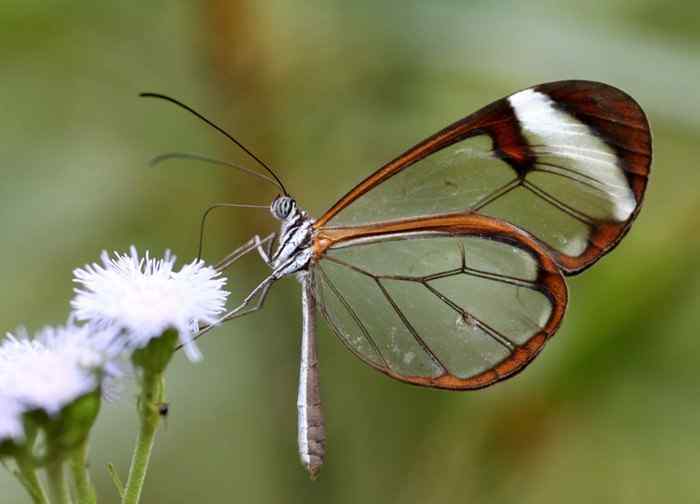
x: 326, y: 91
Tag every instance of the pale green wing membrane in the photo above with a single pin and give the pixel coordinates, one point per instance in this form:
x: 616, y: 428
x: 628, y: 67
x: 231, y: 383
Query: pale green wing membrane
x: 454, y: 179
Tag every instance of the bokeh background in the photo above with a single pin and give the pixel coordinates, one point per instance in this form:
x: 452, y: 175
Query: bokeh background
x: 326, y: 91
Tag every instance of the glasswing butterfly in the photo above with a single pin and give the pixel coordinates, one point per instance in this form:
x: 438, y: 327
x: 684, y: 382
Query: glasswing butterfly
x: 446, y: 267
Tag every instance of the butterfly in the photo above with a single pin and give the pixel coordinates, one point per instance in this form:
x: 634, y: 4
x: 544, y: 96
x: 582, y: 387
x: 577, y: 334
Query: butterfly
x: 446, y: 267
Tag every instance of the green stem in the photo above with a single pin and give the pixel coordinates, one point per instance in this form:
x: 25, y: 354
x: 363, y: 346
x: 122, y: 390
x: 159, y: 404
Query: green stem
x: 152, y: 392
x: 58, y: 489
x: 85, y: 492
x: 30, y: 479
x: 116, y: 480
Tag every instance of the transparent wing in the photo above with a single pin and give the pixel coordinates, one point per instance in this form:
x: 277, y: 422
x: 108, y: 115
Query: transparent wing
x: 567, y: 161
x: 455, y: 302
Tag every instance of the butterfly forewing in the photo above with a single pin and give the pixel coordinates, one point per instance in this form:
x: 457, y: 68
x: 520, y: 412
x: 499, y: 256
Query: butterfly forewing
x: 567, y: 161
x: 455, y: 302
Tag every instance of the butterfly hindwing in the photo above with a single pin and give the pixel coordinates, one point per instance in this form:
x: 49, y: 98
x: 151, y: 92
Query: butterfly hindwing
x: 455, y: 302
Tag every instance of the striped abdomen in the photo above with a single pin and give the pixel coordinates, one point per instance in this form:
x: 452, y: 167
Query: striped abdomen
x: 311, y: 426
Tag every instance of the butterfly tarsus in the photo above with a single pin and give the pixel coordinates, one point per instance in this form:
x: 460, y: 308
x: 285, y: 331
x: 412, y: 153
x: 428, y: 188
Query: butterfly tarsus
x: 264, y: 248
x: 240, y: 311
x: 263, y: 287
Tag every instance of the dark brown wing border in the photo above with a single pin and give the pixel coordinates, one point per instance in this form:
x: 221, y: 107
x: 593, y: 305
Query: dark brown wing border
x: 621, y: 123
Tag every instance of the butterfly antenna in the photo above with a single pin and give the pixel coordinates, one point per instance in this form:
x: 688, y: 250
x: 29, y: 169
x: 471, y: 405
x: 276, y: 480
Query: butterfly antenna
x: 200, y: 249
x: 197, y: 157
x: 220, y: 130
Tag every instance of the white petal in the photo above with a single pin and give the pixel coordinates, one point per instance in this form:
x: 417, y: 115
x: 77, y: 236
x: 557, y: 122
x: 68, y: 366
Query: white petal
x: 145, y: 297
x: 55, y: 368
x: 10, y: 420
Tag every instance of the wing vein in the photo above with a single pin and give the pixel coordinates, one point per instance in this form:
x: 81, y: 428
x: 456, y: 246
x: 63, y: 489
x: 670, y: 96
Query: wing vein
x: 545, y: 196
x: 354, y: 316
x: 348, y: 265
x: 569, y: 177
x: 410, y: 327
x: 490, y: 198
x: 569, y: 170
x: 486, y: 275
x: 497, y: 336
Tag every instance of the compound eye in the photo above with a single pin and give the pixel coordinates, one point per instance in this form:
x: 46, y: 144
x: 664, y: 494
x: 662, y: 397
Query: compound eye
x: 282, y: 207
x: 286, y: 207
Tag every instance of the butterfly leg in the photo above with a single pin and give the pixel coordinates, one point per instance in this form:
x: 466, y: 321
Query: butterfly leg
x: 292, y: 265
x: 255, y: 243
x: 265, y: 247
x: 243, y: 309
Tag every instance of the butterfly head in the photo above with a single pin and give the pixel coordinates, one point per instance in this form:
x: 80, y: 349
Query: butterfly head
x: 282, y: 207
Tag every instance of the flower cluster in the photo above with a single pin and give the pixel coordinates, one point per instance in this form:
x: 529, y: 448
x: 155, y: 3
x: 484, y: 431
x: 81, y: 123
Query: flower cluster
x: 123, y: 304
x: 144, y: 297
x: 49, y: 372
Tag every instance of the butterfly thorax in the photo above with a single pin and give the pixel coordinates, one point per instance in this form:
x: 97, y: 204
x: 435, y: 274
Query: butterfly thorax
x: 294, y: 249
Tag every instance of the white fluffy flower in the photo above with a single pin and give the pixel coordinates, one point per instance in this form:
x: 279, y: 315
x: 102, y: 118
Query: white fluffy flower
x: 50, y: 371
x: 10, y: 419
x: 144, y: 297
